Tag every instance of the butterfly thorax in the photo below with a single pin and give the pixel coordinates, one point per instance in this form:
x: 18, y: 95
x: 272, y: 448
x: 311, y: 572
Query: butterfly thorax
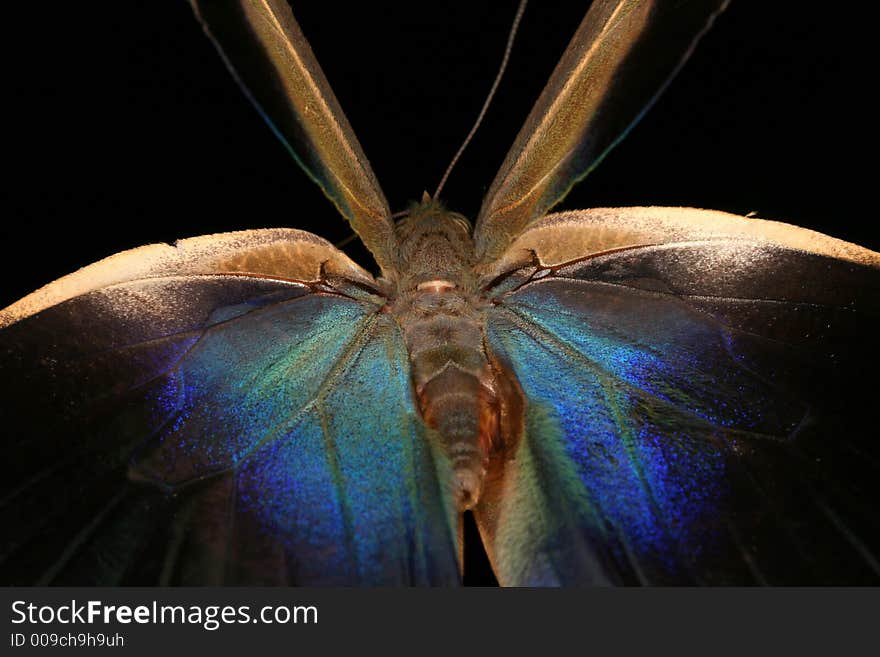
x: 434, y: 244
x: 441, y: 314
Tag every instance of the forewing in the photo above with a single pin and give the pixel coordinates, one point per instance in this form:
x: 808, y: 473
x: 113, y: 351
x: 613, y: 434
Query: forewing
x: 697, y: 412
x: 619, y: 60
x: 270, y: 58
x: 215, y: 428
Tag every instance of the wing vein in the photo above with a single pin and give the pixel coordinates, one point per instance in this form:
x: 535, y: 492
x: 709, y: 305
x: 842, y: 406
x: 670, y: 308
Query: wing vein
x: 566, y: 347
x: 79, y: 539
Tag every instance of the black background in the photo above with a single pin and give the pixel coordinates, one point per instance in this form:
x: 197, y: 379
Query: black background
x: 122, y: 127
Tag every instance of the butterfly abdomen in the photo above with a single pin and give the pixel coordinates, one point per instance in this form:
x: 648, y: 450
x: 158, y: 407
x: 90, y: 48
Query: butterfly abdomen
x: 442, y: 315
x: 452, y: 380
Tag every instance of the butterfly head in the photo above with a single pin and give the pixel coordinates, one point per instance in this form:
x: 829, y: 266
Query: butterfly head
x: 434, y: 243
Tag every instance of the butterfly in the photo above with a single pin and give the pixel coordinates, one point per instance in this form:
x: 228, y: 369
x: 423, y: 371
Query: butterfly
x: 654, y: 395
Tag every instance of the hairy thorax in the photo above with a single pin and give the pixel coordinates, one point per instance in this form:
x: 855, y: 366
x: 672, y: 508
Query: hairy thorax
x: 441, y: 312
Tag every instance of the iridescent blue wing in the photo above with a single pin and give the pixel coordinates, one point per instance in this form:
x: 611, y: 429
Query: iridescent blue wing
x: 187, y: 416
x: 696, y: 403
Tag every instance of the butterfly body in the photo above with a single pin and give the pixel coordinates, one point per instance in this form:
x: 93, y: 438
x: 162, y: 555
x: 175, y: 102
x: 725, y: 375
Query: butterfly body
x: 441, y: 312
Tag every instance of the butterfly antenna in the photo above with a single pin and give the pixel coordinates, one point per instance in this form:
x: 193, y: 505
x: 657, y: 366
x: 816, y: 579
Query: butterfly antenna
x: 467, y: 140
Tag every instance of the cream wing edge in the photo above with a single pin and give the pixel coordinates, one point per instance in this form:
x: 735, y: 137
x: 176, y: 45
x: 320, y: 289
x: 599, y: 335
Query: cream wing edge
x: 283, y: 253
x: 565, y: 236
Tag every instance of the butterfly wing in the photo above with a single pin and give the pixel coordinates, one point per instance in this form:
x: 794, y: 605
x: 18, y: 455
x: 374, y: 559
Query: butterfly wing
x: 619, y: 60
x: 696, y: 404
x: 265, y: 50
x: 195, y: 419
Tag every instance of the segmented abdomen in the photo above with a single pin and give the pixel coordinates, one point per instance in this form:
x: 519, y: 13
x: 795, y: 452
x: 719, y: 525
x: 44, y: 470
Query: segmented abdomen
x: 453, y: 381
